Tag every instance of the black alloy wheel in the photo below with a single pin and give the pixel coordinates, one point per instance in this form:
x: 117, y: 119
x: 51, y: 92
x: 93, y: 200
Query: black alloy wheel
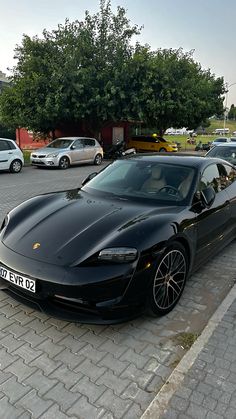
x: 162, y: 150
x: 169, y: 280
x: 64, y: 163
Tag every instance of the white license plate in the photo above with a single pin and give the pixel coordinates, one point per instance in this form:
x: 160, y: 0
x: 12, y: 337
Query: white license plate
x: 17, y: 279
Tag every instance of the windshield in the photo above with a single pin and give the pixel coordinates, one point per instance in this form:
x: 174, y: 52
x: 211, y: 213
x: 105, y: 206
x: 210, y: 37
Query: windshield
x: 60, y: 143
x: 226, y: 153
x: 144, y: 180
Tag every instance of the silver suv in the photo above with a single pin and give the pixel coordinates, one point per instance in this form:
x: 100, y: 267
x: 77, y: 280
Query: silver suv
x: 67, y: 151
x: 11, y: 156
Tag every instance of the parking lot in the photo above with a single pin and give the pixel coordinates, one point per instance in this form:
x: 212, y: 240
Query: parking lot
x: 56, y: 369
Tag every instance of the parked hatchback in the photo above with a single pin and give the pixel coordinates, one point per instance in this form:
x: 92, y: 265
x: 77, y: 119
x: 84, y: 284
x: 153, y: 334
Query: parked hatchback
x: 67, y: 151
x: 226, y: 151
x: 151, y: 143
x: 11, y: 156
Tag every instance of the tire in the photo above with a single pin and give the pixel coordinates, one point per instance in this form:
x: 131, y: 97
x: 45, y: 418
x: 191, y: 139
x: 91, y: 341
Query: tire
x: 162, y: 150
x: 169, y: 280
x: 64, y: 163
x: 16, y: 166
x: 98, y: 160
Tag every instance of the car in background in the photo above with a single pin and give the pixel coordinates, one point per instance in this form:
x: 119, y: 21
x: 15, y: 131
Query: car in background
x: 67, y: 151
x: 151, y: 143
x: 125, y: 242
x: 11, y: 156
x: 220, y: 140
x: 226, y: 151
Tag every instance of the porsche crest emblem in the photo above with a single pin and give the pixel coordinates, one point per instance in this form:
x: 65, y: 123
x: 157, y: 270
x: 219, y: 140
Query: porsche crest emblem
x: 36, y: 246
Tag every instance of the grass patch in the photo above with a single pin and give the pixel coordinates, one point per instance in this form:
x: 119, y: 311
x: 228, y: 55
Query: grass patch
x: 26, y: 154
x: 186, y: 340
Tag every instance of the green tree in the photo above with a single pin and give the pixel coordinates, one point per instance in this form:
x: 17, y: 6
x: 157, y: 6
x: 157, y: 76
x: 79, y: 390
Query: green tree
x: 90, y: 73
x: 232, y: 112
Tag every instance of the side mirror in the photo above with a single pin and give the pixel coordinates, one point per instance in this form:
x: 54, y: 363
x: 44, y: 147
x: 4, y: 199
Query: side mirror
x: 88, y: 178
x: 208, y: 196
x: 73, y: 147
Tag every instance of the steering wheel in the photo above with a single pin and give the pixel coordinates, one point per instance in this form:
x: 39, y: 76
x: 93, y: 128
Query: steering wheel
x: 170, y: 190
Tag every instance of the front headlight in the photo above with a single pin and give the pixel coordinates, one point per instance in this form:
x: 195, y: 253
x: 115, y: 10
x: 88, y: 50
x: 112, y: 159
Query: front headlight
x: 52, y: 155
x: 118, y: 254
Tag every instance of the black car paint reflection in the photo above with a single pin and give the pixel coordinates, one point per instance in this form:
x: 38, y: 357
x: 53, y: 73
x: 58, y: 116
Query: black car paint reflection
x: 119, y: 245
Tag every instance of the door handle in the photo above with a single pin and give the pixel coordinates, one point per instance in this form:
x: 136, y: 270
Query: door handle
x: 10, y: 152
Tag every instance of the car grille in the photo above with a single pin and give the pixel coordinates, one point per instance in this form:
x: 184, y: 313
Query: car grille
x: 40, y: 156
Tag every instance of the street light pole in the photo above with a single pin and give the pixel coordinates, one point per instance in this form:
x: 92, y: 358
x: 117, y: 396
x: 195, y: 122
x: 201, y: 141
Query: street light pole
x: 226, y: 100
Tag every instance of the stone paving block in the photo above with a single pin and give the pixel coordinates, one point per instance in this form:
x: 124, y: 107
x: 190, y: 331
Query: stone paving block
x: 134, y: 412
x: 116, y: 405
x: 6, y: 359
x: 69, y: 359
x: 197, y: 397
x: 74, y: 345
x: 90, y: 370
x: 50, y: 348
x: 229, y: 413
x: 209, y: 403
x: 140, y: 377
x: 55, y: 413
x: 112, y: 348
x: 27, y: 353
x: 22, y: 317
x: 35, y: 404
x: 11, y: 343
x: 139, y: 396
x: 40, y: 382
x: 138, y: 360
x: 221, y: 408
x: 14, y: 390
x: 66, y: 376
x: 196, y: 411
x: 94, y: 340
x: 46, y: 364
x: 9, y: 310
x: 94, y: 355
x: 179, y: 404
x: 5, y: 322
x: 54, y: 334
x: 156, y: 352
x: 91, y: 390
x: 7, y: 410
x: 33, y: 338
x: 16, y: 330
x: 20, y: 370
x: 37, y: 325
x: 64, y: 398
x: 110, y: 380
x: 113, y: 364
x: 85, y: 410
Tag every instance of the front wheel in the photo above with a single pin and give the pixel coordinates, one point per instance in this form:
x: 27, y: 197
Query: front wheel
x: 98, y: 160
x: 162, y: 150
x: 64, y: 163
x: 16, y: 166
x: 169, y: 280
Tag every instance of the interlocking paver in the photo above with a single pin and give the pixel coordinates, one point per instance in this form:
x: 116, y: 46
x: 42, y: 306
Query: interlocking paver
x: 78, y: 362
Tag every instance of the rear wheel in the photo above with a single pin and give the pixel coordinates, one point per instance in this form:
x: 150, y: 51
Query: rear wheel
x: 64, y: 163
x: 16, y: 166
x: 169, y: 280
x: 98, y: 160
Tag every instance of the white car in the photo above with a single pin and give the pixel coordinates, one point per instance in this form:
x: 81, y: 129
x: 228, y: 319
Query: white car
x: 11, y: 156
x: 66, y: 151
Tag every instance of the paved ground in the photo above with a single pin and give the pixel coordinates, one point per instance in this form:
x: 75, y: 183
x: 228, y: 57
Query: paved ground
x: 54, y: 369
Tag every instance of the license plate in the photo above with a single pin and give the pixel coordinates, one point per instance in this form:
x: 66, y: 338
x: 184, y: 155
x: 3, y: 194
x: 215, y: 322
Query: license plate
x: 36, y: 161
x: 17, y: 279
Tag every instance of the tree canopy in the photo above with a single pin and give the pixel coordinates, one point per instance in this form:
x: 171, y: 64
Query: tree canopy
x: 90, y: 72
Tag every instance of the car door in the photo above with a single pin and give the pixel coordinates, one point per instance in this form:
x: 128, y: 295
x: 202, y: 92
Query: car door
x: 77, y: 151
x: 213, y: 223
x: 89, y: 149
x: 228, y: 183
x: 6, y: 153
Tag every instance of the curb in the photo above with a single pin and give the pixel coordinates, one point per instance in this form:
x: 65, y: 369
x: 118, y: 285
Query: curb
x: 160, y: 402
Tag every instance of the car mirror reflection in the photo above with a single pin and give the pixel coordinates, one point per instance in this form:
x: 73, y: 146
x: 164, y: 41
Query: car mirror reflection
x: 89, y: 177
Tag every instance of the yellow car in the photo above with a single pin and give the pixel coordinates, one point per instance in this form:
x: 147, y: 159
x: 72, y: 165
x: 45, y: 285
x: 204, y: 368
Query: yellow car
x: 150, y: 143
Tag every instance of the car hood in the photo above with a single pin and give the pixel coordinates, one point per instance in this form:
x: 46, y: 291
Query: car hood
x: 48, y: 150
x: 68, y: 227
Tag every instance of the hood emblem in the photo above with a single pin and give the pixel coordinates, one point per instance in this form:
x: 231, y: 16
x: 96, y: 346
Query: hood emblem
x: 36, y: 246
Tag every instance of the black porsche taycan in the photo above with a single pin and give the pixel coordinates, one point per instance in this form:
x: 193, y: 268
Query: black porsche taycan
x: 124, y: 242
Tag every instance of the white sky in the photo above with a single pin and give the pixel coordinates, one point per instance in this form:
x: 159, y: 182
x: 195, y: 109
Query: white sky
x: 207, y: 26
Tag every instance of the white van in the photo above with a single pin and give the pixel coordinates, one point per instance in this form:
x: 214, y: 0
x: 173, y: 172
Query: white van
x: 221, y: 131
x: 11, y: 156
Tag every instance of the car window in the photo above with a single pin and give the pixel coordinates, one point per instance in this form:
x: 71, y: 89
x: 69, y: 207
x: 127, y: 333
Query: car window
x: 78, y: 144
x: 210, y: 177
x: 88, y: 142
x: 224, y: 152
x: 227, y: 175
x: 4, y: 145
x: 60, y: 143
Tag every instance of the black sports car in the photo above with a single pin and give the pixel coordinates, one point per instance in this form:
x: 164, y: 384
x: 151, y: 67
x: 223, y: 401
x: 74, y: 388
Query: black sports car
x: 124, y: 242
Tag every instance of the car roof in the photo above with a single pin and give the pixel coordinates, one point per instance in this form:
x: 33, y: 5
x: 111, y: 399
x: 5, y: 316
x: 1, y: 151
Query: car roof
x: 228, y: 144
x: 73, y: 138
x: 171, y: 158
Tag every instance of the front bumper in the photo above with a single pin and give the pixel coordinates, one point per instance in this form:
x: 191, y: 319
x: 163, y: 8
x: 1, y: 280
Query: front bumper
x: 44, y: 161
x: 99, y: 294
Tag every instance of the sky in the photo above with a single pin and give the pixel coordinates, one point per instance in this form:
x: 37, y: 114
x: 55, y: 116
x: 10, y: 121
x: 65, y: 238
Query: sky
x: 205, y: 26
